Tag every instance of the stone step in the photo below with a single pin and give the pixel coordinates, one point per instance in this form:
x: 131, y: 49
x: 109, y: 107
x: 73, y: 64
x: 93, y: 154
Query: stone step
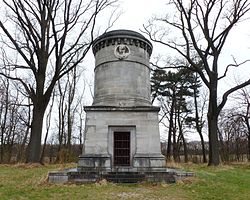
x: 124, y: 177
x: 167, y: 177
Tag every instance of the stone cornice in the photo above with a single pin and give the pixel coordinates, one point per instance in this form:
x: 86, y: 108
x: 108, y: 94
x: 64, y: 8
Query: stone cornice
x: 126, y: 37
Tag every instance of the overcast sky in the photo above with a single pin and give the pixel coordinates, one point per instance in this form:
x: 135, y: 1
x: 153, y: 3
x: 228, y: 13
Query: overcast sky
x: 137, y: 12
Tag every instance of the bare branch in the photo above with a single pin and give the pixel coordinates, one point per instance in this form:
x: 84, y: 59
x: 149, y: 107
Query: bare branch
x: 232, y: 65
x: 230, y: 91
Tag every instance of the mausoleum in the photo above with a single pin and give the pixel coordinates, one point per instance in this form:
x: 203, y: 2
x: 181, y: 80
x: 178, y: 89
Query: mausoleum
x: 122, y: 131
x: 122, y: 140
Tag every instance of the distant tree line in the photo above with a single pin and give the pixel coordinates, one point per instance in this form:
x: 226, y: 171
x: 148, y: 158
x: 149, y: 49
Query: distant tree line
x: 63, y: 127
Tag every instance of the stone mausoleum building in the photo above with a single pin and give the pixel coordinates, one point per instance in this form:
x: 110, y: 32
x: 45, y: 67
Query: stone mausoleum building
x: 122, y: 131
x: 122, y: 140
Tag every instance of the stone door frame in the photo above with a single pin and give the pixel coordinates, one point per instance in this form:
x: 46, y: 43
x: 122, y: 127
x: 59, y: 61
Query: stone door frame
x: 111, y: 130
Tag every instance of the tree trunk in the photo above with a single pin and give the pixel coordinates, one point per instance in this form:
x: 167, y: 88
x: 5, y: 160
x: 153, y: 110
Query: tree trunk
x: 69, y: 125
x: 248, y: 136
x: 175, y: 146
x: 248, y: 147
x: 20, y: 157
x: 185, y: 151
x: 170, y: 130
x: 4, y: 120
x: 2, y: 145
x: 213, y: 141
x: 169, y: 144
x: 212, y: 129
x: 34, y: 147
x: 204, y: 158
x: 199, y: 125
x: 48, y: 121
x: 44, y: 144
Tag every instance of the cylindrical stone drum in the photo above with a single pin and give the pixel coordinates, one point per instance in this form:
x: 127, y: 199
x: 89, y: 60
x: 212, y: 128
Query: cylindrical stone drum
x: 122, y: 73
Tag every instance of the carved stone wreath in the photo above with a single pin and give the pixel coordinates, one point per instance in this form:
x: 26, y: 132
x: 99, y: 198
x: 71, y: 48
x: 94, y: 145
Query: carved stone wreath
x: 121, y: 51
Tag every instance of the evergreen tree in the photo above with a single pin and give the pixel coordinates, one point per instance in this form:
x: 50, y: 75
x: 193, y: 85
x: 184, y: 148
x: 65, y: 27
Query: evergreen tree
x: 174, y: 89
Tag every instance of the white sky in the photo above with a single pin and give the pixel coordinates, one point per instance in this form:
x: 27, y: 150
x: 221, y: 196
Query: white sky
x: 137, y: 12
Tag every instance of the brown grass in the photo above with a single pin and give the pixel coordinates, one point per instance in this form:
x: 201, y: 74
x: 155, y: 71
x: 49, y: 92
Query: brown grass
x: 27, y: 165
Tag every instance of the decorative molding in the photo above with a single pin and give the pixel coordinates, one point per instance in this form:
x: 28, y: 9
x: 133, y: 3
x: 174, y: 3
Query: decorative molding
x: 121, y: 109
x: 105, y: 42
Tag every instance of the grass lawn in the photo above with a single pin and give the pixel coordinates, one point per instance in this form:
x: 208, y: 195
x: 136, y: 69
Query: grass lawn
x: 30, y: 182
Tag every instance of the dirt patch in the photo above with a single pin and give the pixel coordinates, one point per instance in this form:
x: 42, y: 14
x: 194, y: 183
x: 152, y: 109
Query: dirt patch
x: 128, y: 195
x: 188, y: 180
x: 102, y: 182
x: 28, y: 165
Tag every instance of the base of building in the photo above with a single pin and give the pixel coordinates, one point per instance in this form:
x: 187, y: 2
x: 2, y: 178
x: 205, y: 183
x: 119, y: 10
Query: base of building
x: 166, y: 175
x: 94, y: 168
x: 140, y: 162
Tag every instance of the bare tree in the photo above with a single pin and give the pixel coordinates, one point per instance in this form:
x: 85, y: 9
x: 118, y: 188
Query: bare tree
x: 62, y: 111
x: 25, y: 118
x: 233, y: 135
x: 68, y: 104
x: 12, y: 116
x: 4, y: 110
x: 51, y: 38
x: 204, y: 27
x: 243, y: 98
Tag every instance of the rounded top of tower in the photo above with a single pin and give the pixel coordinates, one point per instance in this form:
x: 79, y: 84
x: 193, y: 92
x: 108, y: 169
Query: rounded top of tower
x: 122, y: 36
